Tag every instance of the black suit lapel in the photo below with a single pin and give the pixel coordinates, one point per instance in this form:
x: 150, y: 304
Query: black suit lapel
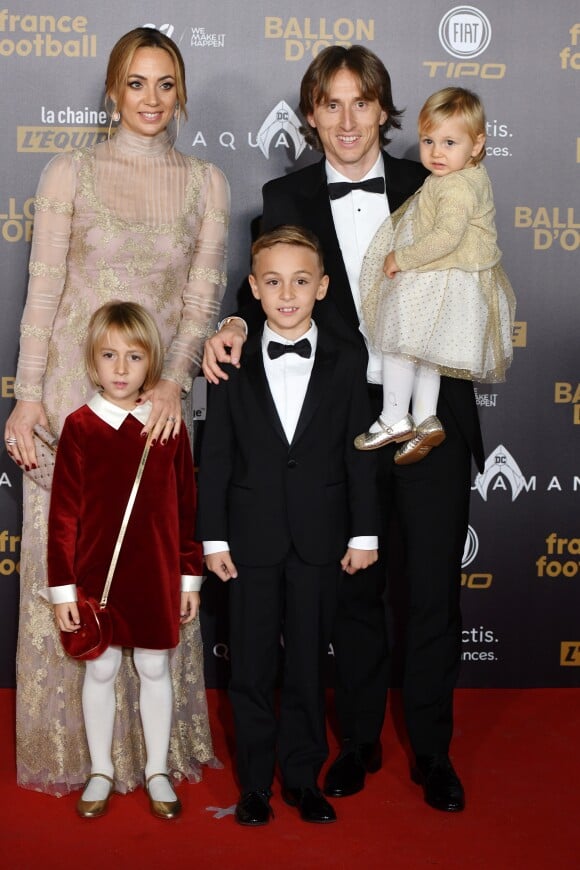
x: 253, y: 363
x: 396, y: 182
x: 321, y: 223
x: 320, y: 379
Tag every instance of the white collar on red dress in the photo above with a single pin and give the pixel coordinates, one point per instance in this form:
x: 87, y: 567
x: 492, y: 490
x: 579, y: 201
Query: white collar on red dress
x: 114, y: 415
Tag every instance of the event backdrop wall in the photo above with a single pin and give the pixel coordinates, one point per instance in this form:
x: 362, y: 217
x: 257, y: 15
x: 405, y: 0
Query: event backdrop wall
x: 521, y: 580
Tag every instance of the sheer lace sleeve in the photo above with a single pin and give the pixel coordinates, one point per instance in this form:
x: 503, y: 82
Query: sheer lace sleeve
x: 47, y: 271
x: 206, y: 282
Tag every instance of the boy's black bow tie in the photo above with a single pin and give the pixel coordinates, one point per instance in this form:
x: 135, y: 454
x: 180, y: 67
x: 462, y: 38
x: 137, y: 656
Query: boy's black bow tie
x: 302, y: 348
x: 336, y: 189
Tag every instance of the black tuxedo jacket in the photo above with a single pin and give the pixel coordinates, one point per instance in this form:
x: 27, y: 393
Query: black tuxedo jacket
x: 264, y: 495
x: 302, y: 198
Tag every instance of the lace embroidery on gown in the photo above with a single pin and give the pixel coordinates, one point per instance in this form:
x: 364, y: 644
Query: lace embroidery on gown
x: 129, y: 219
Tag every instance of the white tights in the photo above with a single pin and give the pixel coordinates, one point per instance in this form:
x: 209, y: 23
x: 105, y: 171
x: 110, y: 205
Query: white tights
x: 155, y: 702
x: 404, y: 381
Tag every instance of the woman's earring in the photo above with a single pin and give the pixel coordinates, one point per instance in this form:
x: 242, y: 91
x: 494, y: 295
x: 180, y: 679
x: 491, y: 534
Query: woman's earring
x: 176, y: 113
x: 116, y: 117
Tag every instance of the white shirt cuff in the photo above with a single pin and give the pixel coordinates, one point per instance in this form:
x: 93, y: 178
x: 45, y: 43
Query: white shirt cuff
x: 191, y: 583
x: 61, y: 594
x: 211, y: 547
x: 364, y: 542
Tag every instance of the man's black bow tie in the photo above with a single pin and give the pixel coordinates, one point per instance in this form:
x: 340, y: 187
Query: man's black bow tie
x: 302, y: 348
x: 336, y: 189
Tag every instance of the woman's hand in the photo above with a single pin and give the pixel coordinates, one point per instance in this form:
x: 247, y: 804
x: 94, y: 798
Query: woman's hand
x: 165, y: 417
x: 223, y: 347
x: 67, y: 616
x: 189, y: 607
x: 18, y: 432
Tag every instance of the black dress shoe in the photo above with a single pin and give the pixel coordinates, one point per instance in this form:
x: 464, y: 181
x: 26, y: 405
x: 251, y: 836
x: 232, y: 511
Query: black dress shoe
x: 441, y: 785
x: 253, y: 808
x: 346, y: 775
x: 311, y: 803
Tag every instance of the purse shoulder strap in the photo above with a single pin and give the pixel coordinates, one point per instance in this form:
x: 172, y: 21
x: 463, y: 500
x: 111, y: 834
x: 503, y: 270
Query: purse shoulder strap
x: 125, y: 523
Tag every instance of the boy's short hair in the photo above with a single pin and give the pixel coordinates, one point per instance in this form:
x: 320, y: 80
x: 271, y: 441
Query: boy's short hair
x: 288, y: 234
x: 136, y: 325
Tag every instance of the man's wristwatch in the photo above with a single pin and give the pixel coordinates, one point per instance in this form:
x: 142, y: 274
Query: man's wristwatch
x: 227, y: 320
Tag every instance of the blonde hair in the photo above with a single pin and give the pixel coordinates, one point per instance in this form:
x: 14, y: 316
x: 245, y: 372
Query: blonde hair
x: 287, y: 234
x: 448, y: 102
x: 136, y: 325
x: 121, y: 58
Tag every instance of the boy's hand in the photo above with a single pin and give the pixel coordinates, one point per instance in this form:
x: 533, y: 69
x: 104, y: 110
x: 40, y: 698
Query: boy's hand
x: 356, y: 560
x: 223, y: 347
x: 222, y: 565
x: 67, y: 616
x: 189, y: 607
x: 390, y: 268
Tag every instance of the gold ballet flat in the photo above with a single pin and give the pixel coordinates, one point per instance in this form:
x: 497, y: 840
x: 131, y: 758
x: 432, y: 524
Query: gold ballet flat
x: 94, y: 809
x: 401, y: 431
x: 430, y: 433
x: 163, y: 809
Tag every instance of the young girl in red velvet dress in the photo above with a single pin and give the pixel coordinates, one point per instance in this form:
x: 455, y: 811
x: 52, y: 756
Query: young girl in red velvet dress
x: 156, y: 583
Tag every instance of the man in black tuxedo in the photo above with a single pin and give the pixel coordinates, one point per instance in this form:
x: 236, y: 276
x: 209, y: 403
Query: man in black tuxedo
x: 285, y: 501
x: 347, y: 102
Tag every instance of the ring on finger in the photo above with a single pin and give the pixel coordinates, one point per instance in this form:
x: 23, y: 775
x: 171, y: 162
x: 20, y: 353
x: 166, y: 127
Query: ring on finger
x: 11, y: 441
x: 171, y: 419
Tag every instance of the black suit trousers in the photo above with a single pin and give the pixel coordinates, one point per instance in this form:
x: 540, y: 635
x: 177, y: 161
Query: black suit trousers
x: 296, y: 602
x: 430, y: 501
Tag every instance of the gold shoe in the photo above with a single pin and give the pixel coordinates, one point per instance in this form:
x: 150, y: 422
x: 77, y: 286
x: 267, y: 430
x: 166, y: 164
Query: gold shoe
x: 430, y: 433
x: 94, y: 809
x: 163, y: 809
x: 401, y: 431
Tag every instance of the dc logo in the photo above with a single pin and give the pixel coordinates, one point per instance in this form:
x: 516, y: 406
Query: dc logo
x: 500, y: 464
x: 281, y: 127
x: 465, y: 31
x: 471, y: 547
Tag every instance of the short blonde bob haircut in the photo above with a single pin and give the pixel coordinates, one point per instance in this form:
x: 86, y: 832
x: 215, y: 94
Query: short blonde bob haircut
x: 121, y: 58
x: 455, y: 101
x: 136, y: 326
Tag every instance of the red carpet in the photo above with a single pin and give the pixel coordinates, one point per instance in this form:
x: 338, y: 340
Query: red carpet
x: 517, y: 753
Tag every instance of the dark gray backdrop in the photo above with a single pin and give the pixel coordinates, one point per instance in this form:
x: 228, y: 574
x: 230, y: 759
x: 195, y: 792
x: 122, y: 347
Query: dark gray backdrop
x: 244, y: 63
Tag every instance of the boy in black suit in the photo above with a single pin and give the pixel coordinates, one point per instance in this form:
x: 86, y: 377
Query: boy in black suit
x: 285, y: 502
x: 347, y: 104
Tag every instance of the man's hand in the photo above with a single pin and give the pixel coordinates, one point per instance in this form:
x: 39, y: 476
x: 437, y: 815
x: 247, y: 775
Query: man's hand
x: 223, y: 347
x: 222, y: 566
x: 357, y: 560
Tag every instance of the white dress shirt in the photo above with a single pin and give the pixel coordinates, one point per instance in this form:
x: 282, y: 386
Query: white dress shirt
x: 357, y: 216
x: 288, y: 378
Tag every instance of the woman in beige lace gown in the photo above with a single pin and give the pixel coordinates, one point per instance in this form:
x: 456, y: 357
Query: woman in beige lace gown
x: 134, y: 219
